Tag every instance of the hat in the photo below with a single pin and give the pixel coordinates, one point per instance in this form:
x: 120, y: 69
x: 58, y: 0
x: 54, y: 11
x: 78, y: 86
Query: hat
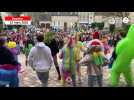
x: 11, y: 44
x: 95, y: 43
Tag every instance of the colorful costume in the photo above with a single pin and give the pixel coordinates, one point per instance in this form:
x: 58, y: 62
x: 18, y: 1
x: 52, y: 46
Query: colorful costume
x: 79, y: 48
x: 9, y: 67
x: 12, y: 46
x: 106, y: 46
x: 69, y: 62
x: 68, y: 67
x: 125, y: 54
x: 94, y: 60
x: 27, y: 50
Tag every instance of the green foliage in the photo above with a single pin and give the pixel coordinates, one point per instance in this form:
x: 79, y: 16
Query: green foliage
x: 94, y: 25
x: 49, y: 37
x: 99, y: 25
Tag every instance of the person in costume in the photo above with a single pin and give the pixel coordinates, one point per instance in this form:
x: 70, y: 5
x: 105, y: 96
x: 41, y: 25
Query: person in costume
x: 80, y: 48
x: 94, y: 60
x: 53, y: 44
x: 122, y: 64
x: 96, y: 34
x: 110, y: 40
x: 28, y: 46
x: 106, y: 46
x: 88, y: 44
x: 9, y: 66
x: 69, y: 56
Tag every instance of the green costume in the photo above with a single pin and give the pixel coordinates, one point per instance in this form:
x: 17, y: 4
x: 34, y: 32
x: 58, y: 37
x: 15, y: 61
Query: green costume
x: 125, y: 54
x: 27, y: 49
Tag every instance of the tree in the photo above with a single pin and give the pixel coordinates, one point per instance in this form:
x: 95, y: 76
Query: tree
x: 112, y: 28
x: 100, y: 25
x: 93, y: 25
x: 49, y: 37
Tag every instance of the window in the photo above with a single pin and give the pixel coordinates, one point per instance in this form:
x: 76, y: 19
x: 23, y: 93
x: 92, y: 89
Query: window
x: 46, y: 12
x: 58, y: 13
x: 76, y: 13
x: 71, y: 13
x: 82, y: 17
x: 54, y: 23
x: 58, y: 23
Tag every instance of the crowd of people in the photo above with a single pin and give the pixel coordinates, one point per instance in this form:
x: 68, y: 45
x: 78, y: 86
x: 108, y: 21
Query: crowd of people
x: 75, y: 50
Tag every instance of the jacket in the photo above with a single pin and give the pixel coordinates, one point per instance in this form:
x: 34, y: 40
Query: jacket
x: 40, y: 58
x: 54, y: 47
x: 6, y: 57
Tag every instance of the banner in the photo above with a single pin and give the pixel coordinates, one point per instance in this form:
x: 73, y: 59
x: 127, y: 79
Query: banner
x: 21, y: 20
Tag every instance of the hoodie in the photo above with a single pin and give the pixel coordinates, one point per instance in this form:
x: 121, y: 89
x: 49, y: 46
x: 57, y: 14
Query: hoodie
x: 40, y: 58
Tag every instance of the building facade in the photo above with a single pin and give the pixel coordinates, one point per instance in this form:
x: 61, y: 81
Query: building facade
x: 60, y: 21
x: 131, y: 17
x: 86, y: 17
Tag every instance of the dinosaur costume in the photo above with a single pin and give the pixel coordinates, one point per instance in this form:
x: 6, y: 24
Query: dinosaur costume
x: 125, y: 54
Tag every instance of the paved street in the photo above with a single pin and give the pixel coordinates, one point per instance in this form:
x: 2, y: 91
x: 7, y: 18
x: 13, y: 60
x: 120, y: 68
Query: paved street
x: 28, y: 77
x: 24, y: 29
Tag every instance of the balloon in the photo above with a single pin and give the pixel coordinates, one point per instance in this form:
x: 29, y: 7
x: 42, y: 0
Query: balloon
x: 125, y: 54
